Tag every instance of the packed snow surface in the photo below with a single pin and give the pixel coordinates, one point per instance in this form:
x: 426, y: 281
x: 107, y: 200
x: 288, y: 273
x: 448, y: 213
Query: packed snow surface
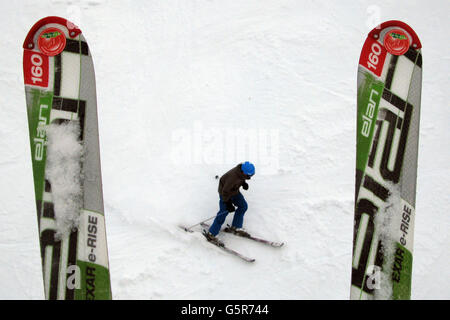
x: 188, y: 89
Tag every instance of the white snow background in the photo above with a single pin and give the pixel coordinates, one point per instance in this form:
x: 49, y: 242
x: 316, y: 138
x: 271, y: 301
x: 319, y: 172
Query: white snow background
x: 188, y: 89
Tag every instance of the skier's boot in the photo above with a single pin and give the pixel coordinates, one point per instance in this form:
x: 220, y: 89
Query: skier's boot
x: 237, y: 231
x: 213, y: 239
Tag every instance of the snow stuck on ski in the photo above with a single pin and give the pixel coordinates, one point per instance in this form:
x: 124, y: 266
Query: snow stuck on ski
x: 64, y: 165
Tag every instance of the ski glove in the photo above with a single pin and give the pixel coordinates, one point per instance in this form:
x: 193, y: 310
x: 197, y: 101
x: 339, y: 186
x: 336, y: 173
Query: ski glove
x: 230, y: 207
x: 245, y: 186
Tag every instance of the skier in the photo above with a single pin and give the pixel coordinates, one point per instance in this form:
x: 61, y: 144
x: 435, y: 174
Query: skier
x: 230, y: 197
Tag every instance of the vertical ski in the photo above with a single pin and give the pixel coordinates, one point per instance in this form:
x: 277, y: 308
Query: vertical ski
x: 62, y: 119
x: 388, y: 111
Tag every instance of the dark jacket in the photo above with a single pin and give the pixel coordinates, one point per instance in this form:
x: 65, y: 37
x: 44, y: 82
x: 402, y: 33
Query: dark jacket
x: 230, y: 183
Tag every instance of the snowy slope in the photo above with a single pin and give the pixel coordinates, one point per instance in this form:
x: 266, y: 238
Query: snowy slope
x: 188, y: 89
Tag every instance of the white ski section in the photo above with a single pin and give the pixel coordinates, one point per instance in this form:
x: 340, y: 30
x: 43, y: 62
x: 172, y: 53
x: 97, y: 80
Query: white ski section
x: 70, y: 64
x: 402, y: 76
x: 92, y: 241
x: 205, y: 76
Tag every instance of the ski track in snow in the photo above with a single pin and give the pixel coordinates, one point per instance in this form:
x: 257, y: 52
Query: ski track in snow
x: 165, y: 70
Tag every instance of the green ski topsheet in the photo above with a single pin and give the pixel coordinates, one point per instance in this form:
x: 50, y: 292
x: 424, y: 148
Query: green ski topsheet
x: 60, y: 91
x: 388, y: 111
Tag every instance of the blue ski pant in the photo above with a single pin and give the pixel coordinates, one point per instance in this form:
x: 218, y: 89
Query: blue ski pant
x: 238, y: 219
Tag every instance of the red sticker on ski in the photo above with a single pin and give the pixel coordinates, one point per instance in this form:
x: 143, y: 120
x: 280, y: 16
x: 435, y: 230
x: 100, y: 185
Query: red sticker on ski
x: 35, y: 68
x: 396, y: 42
x: 51, y: 41
x: 372, y: 56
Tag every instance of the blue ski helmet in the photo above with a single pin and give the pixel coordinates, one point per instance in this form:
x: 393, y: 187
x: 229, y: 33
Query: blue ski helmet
x: 248, y: 168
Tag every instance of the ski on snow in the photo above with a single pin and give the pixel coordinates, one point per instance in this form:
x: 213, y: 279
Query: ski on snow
x: 388, y: 112
x: 231, y: 251
x: 260, y: 240
x: 224, y: 247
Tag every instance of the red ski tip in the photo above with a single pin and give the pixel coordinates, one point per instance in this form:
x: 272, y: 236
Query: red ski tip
x: 381, y: 30
x: 72, y: 29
